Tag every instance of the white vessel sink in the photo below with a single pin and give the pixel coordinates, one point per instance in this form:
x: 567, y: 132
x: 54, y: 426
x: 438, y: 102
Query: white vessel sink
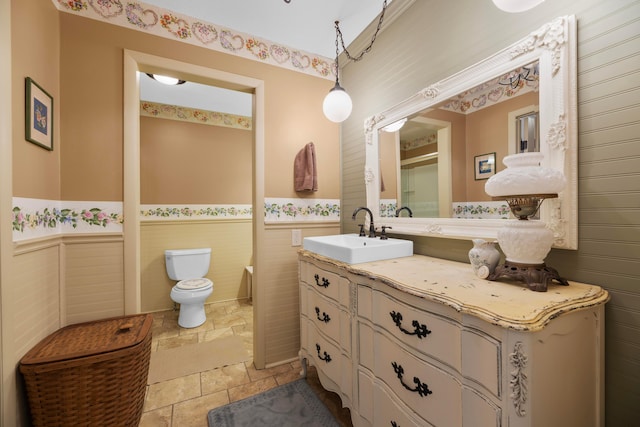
x: 353, y: 249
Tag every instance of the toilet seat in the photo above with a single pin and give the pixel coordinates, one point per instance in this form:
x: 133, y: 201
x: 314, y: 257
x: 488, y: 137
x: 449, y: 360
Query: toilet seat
x: 194, y: 284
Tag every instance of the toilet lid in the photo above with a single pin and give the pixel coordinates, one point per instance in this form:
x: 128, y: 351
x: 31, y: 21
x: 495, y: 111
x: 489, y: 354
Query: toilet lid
x: 192, y: 284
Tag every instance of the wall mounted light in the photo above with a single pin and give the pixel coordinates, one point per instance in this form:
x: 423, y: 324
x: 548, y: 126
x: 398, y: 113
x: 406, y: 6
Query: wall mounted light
x: 337, y: 105
x: 166, y: 79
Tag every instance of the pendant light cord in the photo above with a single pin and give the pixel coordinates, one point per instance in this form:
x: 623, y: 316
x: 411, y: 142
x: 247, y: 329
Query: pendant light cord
x: 366, y: 49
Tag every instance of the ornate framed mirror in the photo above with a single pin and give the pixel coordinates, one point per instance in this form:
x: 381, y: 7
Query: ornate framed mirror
x: 523, y: 98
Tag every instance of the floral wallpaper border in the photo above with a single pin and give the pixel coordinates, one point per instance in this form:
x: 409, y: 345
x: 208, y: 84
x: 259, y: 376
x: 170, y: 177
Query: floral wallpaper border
x: 37, y: 218
x: 482, y: 210
x: 194, y: 212
x: 168, y: 24
x: 194, y: 115
x: 388, y: 207
x: 467, y: 210
x: 33, y: 218
x: 287, y: 210
x: 510, y: 85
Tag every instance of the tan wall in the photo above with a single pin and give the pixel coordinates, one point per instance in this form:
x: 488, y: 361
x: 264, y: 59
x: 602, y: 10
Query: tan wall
x: 281, y: 280
x: 231, y: 250
x: 92, y: 81
x: 93, y: 271
x: 31, y: 311
x: 388, y: 164
x: 30, y: 293
x: 36, y: 54
x: 190, y: 163
x: 488, y: 132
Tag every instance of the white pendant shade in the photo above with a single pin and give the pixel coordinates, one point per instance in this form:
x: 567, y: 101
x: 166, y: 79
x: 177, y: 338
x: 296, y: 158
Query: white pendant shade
x: 515, y: 6
x: 337, y: 105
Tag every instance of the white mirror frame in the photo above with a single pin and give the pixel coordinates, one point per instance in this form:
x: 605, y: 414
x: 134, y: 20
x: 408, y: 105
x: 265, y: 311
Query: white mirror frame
x: 554, y: 46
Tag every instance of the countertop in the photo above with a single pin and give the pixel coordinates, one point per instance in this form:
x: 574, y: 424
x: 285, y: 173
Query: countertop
x: 505, y: 303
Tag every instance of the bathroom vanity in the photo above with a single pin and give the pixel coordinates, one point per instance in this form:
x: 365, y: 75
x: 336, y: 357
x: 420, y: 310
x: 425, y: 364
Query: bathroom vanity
x: 420, y: 341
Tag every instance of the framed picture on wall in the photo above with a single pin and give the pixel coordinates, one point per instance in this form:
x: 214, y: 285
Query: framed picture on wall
x: 38, y: 115
x: 485, y: 166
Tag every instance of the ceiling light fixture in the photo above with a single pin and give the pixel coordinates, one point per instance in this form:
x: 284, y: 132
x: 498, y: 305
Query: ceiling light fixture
x: 166, y: 79
x: 337, y: 104
x: 395, y: 126
x: 515, y: 6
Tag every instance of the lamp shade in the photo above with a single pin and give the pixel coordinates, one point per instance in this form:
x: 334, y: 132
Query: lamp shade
x: 337, y: 104
x: 525, y: 176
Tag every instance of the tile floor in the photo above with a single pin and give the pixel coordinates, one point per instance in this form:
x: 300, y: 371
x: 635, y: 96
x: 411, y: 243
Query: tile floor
x: 185, y: 401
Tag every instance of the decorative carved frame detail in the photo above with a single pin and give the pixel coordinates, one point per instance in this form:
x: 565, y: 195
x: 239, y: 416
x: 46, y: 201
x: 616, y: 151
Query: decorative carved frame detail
x: 518, y: 383
x: 554, y: 47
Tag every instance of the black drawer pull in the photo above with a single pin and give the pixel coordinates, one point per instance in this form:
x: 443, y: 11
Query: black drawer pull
x: 421, y: 388
x: 325, y: 317
x: 326, y: 357
x: 419, y: 331
x: 325, y: 282
x: 394, y: 424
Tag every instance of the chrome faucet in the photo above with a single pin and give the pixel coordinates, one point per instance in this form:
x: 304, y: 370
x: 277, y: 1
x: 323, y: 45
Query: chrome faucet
x: 372, y: 229
x: 402, y: 209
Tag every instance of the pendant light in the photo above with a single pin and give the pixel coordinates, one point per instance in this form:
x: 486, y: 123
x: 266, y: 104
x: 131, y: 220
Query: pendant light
x: 337, y: 104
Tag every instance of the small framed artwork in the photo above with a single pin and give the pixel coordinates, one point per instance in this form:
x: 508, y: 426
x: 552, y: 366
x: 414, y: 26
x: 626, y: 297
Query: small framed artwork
x: 485, y: 165
x: 38, y: 115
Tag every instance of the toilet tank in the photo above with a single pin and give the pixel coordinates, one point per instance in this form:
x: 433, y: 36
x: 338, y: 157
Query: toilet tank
x: 184, y: 264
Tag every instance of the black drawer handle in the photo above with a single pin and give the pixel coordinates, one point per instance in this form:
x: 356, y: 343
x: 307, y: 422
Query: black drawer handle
x: 325, y: 317
x: 421, y: 388
x: 324, y: 356
x: 325, y: 282
x: 394, y: 424
x: 419, y: 331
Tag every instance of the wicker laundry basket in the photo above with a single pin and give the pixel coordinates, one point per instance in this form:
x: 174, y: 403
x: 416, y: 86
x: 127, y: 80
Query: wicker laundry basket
x: 90, y: 374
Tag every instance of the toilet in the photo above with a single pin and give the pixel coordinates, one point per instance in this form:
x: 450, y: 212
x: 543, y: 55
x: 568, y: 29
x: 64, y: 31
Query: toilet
x: 189, y: 266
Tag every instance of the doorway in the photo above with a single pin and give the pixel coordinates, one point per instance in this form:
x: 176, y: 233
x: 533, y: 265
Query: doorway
x: 135, y: 62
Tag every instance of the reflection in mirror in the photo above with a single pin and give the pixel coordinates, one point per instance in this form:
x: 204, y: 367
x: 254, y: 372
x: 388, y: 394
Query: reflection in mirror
x: 521, y: 99
x: 472, y: 123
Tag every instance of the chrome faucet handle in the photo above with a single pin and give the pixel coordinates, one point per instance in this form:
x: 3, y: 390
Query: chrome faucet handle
x: 361, y: 234
x: 383, y: 234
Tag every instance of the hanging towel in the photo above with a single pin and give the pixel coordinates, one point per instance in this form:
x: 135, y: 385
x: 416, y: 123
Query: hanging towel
x: 305, y: 175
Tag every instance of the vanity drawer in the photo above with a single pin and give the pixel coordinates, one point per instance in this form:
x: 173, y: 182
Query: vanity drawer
x: 481, y: 360
x: 325, y: 282
x: 429, y: 333
x: 324, y: 314
x: 389, y: 413
x: 328, y: 358
x: 432, y: 393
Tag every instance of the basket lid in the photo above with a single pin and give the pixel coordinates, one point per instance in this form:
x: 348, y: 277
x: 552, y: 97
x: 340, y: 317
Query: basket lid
x: 90, y: 338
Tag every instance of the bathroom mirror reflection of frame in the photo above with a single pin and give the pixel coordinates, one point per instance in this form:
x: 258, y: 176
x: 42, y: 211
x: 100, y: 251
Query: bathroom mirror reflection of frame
x: 550, y: 127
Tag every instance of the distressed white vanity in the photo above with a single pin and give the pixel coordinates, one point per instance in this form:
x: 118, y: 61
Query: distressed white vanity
x: 420, y: 341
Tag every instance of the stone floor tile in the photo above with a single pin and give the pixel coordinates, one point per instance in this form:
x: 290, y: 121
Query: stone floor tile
x: 256, y: 374
x: 224, y: 378
x: 172, y: 391
x: 251, y: 389
x: 180, y: 340
x: 157, y: 418
x: 193, y: 413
